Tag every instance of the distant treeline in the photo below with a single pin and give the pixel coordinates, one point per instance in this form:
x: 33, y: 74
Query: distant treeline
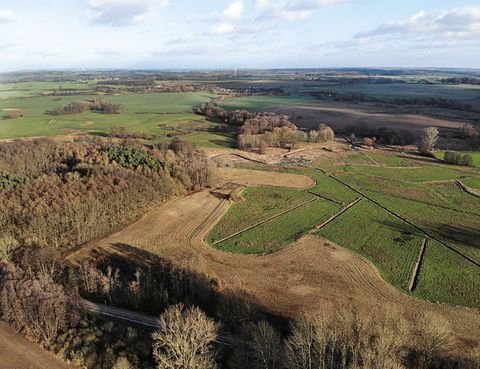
x: 356, y: 97
x: 91, y: 105
x: 461, y: 81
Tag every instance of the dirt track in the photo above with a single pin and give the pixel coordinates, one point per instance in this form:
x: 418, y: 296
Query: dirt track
x: 18, y: 353
x: 290, y: 281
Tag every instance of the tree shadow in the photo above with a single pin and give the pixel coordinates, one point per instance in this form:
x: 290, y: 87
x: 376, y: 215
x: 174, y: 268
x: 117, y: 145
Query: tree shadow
x: 163, y: 283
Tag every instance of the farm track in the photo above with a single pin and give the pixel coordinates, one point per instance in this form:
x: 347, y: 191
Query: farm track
x: 415, y: 274
x: 405, y: 220
x: 266, y: 220
x: 144, y: 320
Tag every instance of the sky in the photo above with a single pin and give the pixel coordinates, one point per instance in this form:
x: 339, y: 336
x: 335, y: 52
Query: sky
x: 197, y: 34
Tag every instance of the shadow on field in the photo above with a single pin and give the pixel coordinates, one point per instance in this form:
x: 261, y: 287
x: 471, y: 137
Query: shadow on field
x: 143, y: 281
x: 468, y: 236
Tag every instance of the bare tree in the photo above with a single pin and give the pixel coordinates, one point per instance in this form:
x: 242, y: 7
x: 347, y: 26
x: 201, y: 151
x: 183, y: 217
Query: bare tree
x: 434, y: 338
x: 122, y: 363
x: 266, y: 346
x: 184, y: 339
x: 429, y: 140
x: 8, y: 245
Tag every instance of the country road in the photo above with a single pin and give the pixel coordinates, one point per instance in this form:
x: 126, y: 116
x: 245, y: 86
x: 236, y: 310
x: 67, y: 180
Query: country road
x: 142, y: 319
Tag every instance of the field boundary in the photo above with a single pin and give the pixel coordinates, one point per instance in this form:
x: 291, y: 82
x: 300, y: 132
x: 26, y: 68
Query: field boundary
x: 335, y: 216
x: 405, y: 220
x: 467, y: 189
x: 207, y: 219
x: 265, y: 221
x: 325, y: 198
x: 413, y: 281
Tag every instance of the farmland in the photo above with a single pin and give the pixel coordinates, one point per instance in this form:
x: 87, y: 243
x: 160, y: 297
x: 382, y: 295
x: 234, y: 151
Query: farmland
x: 159, y: 116
x: 259, y: 204
x: 389, y: 245
x: 143, y: 220
x: 474, y: 154
x: 273, y: 235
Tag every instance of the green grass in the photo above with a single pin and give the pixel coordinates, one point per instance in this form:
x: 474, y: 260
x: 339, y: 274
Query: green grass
x: 472, y: 182
x: 447, y: 277
x: 260, y: 204
x: 382, y: 159
x: 474, y: 154
x: 422, y: 174
x: 273, y: 235
x: 454, y: 227
x: 159, y: 115
x: 328, y: 187
x: 370, y: 231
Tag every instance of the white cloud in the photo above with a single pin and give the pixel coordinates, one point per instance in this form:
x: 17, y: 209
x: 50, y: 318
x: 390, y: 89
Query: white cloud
x: 123, y: 12
x: 262, y: 4
x: 292, y: 10
x: 6, y: 15
x: 454, y: 24
x: 234, y: 10
x: 223, y: 29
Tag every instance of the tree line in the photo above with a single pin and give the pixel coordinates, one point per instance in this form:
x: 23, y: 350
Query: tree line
x: 96, y: 104
x: 202, y: 326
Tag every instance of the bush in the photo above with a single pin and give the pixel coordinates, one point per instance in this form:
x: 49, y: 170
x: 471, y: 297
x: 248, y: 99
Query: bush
x: 467, y: 160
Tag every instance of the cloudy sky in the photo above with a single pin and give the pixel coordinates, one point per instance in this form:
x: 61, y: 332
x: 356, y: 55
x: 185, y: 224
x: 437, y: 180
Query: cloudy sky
x: 238, y: 33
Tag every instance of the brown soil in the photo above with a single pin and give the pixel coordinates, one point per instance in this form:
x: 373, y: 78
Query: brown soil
x: 294, y: 280
x: 342, y: 118
x: 18, y: 353
x: 247, y: 177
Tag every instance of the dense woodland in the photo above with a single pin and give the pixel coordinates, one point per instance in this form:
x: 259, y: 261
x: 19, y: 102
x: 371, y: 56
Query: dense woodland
x: 63, y: 195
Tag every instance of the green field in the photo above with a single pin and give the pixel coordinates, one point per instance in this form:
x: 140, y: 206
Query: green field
x: 474, y: 154
x: 279, y: 232
x: 445, y: 276
x: 472, y: 182
x: 421, y: 174
x: 382, y: 160
x: 370, y: 231
x: 160, y: 116
x: 328, y: 187
x: 259, y: 204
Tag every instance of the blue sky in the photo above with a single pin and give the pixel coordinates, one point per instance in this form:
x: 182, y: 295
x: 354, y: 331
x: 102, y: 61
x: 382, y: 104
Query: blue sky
x: 238, y: 33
